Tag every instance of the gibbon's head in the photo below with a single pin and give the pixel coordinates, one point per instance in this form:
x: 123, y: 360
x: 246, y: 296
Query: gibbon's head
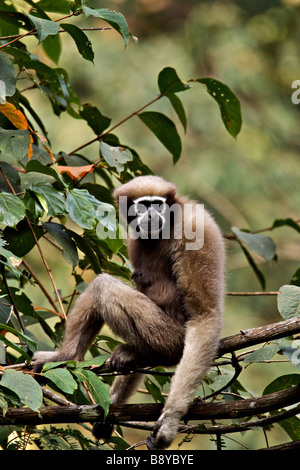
x: 144, y: 201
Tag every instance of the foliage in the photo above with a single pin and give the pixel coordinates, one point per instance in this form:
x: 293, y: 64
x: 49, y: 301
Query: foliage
x: 66, y: 200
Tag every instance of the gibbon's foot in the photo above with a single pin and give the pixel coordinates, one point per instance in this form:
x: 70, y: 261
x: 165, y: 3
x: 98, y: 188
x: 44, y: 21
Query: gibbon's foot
x: 163, y: 434
x: 103, y: 430
x: 123, y: 359
x: 41, y: 357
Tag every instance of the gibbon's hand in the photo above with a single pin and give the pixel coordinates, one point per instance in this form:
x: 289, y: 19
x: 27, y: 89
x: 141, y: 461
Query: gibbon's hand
x: 164, y: 432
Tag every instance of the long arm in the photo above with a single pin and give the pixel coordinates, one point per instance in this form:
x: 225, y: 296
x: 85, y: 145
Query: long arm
x: 201, y: 281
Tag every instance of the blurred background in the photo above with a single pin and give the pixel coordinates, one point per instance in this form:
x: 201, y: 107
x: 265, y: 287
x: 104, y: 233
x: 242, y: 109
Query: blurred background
x: 253, y: 47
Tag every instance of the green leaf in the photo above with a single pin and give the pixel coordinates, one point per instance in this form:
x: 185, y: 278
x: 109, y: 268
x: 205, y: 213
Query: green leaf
x: 57, y: 6
x: 10, y: 258
x: 115, y: 156
x: 63, y: 238
x: 254, y: 266
x: 178, y: 107
x: 16, y: 348
x: 114, y: 18
x: 3, y: 405
x: 12, y: 209
x: 288, y: 301
x: 106, y: 214
x: 14, y: 144
x: 83, y: 244
x: 63, y: 379
x: 261, y: 244
x: 8, y: 28
x: 21, y: 240
x: 98, y: 389
x: 164, y: 129
x: 55, y: 200
x: 44, y: 27
x: 296, y: 278
x: 282, y: 383
x: 154, y: 390
x: 35, y: 165
x: 112, y: 238
x: 119, y: 443
x: 263, y: 354
x: 80, y: 209
x: 96, y: 361
x: 291, y: 427
x: 94, y: 118
x: 81, y: 40
x: 12, y: 176
x: 15, y: 332
x: 27, y: 389
x: 169, y: 82
x: 52, y: 47
x: 8, y: 78
x: 54, y: 365
x: 289, y: 222
x: 228, y: 103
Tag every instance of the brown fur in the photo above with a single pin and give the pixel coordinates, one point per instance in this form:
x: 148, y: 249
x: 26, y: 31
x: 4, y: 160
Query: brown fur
x: 173, y: 317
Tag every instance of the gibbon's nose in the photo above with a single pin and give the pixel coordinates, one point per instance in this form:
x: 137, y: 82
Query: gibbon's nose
x: 152, y: 213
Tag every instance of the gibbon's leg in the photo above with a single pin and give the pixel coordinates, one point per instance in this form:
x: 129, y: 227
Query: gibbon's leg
x: 123, y: 387
x: 82, y: 327
x: 201, y: 344
x: 149, y: 335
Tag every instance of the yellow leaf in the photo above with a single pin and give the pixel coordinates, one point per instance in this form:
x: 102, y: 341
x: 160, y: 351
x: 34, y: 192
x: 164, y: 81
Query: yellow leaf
x: 15, y: 116
x: 30, y: 150
x: 75, y: 172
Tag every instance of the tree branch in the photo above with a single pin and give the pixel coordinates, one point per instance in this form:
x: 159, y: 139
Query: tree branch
x: 220, y: 428
x: 259, y: 335
x: 151, y: 411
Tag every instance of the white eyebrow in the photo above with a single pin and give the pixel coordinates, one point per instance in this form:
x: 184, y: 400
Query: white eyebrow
x: 149, y: 198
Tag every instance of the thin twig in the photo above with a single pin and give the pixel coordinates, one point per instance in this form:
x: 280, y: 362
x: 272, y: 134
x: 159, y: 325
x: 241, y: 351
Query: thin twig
x: 12, y: 300
x: 232, y: 236
x: 34, y: 33
x: 56, y: 398
x: 47, y: 268
x: 41, y: 286
x: 116, y: 125
x: 248, y: 294
x: 238, y: 369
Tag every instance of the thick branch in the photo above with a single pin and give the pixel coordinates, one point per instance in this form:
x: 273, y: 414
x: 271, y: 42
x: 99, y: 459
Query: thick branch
x: 151, y: 411
x: 223, y: 428
x: 259, y: 335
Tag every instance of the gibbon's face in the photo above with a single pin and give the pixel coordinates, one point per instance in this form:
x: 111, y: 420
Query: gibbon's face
x: 150, y: 214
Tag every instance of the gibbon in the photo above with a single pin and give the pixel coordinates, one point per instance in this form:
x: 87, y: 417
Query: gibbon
x: 174, y: 315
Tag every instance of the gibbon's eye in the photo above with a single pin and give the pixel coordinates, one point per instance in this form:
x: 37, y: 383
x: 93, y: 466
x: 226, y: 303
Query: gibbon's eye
x: 142, y: 206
